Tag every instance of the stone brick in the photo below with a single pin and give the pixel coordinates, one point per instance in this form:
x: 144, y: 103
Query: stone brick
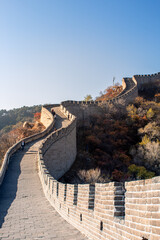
x: 156, y: 230
x: 140, y: 217
x: 155, y: 201
x: 152, y: 208
x: 155, y: 215
x: 155, y: 223
x: 154, y: 237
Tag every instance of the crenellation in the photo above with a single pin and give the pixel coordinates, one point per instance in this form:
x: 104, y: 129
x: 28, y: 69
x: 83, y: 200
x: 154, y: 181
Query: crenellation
x: 110, y: 211
x: 101, y: 210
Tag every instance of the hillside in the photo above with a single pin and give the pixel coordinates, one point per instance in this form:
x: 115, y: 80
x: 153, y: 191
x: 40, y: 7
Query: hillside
x: 12, y: 129
x: 120, y: 145
x: 12, y: 117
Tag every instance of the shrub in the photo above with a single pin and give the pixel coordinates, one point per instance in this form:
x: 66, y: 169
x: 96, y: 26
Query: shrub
x: 88, y: 98
x: 151, y: 129
x: 89, y: 176
x: 145, y: 140
x: 132, y: 111
x: 152, y: 152
x: 139, y: 101
x: 37, y: 116
x: 140, y: 172
x: 150, y: 113
x: 117, y: 175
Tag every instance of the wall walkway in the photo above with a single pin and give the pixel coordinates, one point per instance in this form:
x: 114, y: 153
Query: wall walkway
x: 24, y: 211
x: 83, y: 110
x: 112, y: 211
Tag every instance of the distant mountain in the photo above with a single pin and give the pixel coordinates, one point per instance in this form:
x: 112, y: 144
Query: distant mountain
x: 16, y: 115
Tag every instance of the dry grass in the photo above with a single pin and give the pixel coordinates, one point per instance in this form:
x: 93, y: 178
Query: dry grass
x: 89, y: 176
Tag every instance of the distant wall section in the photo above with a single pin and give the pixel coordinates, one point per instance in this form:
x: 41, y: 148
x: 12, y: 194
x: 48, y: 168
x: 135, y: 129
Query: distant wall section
x: 83, y: 110
x: 106, y: 211
x: 17, y: 146
x: 146, y: 81
x: 60, y: 149
x: 46, y: 116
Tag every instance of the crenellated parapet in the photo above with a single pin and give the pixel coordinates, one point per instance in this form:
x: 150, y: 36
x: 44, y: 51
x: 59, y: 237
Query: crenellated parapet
x: 46, y: 116
x: 48, y: 121
x: 146, y: 81
x: 104, y: 210
x: 59, y: 148
x: 128, y: 94
x: 83, y: 110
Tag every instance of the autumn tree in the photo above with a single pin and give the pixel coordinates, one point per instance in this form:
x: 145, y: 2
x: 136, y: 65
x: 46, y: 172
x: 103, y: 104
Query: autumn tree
x: 37, y: 116
x: 110, y: 92
x: 88, y: 98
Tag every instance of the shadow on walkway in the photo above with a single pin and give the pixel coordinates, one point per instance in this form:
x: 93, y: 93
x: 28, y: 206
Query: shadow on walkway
x: 8, y: 189
x: 58, y: 122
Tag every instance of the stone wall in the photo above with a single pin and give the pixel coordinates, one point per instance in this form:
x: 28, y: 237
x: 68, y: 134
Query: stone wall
x: 46, y: 116
x: 146, y: 81
x: 83, y: 109
x: 59, y: 149
x: 110, y: 211
x: 16, y: 146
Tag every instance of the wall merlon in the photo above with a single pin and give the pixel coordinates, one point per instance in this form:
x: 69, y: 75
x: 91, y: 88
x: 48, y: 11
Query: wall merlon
x: 106, y: 211
x: 113, y: 204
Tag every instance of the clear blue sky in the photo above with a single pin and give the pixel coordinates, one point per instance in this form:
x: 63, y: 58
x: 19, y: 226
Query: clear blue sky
x: 55, y: 50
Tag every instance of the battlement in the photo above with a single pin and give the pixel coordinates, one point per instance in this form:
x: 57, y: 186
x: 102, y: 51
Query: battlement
x: 62, y: 143
x: 128, y: 93
x: 47, y: 120
x: 83, y: 110
x: 117, y: 211
x: 123, y: 211
x: 148, y: 75
x: 146, y: 81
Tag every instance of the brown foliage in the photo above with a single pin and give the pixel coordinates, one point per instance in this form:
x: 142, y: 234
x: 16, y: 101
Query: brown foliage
x: 111, y: 143
x: 37, y: 116
x: 8, y: 139
x: 110, y: 93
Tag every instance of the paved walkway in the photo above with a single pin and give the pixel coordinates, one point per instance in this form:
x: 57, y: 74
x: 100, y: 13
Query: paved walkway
x: 24, y: 211
x: 129, y: 85
x: 61, y: 120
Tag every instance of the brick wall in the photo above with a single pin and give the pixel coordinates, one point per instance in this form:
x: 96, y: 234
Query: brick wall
x: 59, y: 149
x: 46, y: 116
x: 143, y: 207
x: 16, y: 146
x: 144, y: 81
x: 83, y: 110
x: 110, y: 211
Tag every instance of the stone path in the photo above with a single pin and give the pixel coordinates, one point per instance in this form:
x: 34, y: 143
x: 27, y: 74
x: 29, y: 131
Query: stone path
x: 61, y: 120
x: 24, y: 211
x: 129, y: 85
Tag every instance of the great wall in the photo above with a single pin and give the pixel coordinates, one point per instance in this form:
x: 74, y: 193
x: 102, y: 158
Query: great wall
x: 111, y: 211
